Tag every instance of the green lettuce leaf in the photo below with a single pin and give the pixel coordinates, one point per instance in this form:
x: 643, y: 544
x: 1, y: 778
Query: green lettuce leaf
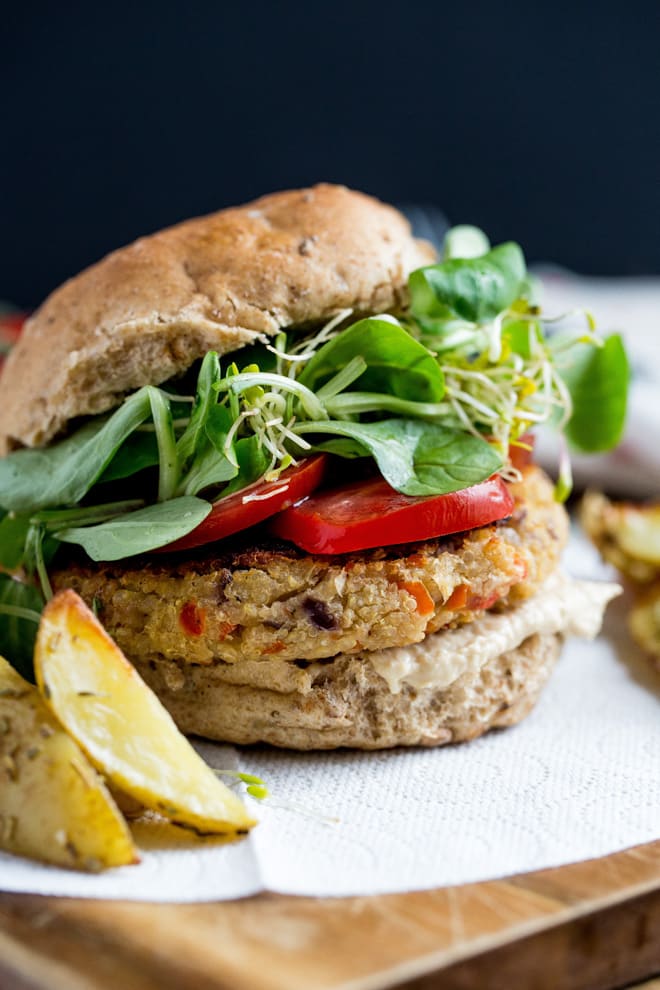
x: 397, y: 364
x: 472, y: 289
x: 17, y: 632
x: 597, y: 379
x: 141, y: 531
x: 419, y: 458
x: 63, y: 473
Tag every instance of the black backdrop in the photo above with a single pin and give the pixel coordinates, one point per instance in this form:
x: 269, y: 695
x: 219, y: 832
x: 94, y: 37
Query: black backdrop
x: 538, y: 121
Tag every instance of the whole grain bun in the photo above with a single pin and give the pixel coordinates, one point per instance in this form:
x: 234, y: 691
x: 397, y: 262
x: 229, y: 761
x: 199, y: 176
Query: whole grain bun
x: 345, y: 702
x: 149, y: 310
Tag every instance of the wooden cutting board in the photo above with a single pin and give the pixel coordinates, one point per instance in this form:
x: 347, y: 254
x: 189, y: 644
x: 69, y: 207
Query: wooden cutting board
x: 593, y: 924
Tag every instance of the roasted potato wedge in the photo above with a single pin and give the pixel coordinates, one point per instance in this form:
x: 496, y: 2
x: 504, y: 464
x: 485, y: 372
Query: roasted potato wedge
x: 627, y: 535
x: 53, y: 805
x: 644, y: 621
x: 121, y: 725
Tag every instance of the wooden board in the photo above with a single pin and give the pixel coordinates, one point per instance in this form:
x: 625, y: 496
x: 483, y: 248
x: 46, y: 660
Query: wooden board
x: 593, y: 924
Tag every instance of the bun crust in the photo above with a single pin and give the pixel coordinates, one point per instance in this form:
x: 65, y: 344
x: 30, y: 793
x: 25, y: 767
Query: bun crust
x: 149, y: 310
x: 345, y: 702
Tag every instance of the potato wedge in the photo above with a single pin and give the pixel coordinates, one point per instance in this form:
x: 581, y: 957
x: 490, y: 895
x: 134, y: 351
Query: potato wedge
x: 627, y: 535
x: 53, y: 804
x: 644, y: 621
x: 639, y: 535
x: 121, y: 725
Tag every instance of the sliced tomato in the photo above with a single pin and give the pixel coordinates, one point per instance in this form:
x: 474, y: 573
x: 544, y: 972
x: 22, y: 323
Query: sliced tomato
x: 11, y: 325
x: 372, y: 514
x: 254, y: 504
x: 521, y: 453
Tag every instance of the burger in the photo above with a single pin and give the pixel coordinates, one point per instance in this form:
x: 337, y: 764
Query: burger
x: 284, y: 453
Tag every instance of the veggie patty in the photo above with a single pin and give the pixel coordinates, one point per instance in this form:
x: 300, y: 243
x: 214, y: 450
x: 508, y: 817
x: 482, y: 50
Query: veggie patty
x: 269, y: 600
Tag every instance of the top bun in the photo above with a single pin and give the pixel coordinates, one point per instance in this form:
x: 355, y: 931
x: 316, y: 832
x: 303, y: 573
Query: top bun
x: 147, y: 311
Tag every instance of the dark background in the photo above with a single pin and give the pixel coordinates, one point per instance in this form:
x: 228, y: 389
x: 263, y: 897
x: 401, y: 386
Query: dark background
x: 539, y: 122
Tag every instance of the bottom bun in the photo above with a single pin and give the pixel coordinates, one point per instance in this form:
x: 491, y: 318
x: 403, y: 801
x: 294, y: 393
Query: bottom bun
x: 345, y: 702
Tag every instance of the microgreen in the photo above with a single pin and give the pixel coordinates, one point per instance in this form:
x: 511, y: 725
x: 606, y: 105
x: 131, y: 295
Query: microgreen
x: 506, y: 368
x: 254, y: 786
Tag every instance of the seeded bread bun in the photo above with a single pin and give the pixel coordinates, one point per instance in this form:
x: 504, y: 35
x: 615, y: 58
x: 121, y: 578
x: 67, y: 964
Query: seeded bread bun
x: 346, y: 702
x: 147, y: 311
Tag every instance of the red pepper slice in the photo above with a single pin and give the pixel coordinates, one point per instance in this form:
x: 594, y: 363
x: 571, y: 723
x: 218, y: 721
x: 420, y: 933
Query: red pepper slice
x: 11, y: 325
x: 254, y: 504
x: 372, y: 514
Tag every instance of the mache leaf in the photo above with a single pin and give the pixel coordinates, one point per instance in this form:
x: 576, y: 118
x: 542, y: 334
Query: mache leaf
x: 397, y: 364
x: 13, y: 533
x: 139, y: 451
x: 63, y: 473
x: 419, y: 458
x: 168, y: 461
x: 211, y: 464
x: 472, y: 289
x: 206, y: 397
x: 465, y: 241
x: 18, y: 633
x: 597, y: 379
x: 211, y: 467
x: 141, y: 531
x: 253, y: 462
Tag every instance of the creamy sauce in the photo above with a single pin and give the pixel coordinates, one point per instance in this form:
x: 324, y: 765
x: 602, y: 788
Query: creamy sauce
x: 563, y: 605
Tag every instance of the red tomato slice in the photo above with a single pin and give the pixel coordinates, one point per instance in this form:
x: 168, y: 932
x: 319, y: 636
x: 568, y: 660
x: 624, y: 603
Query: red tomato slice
x: 11, y: 325
x: 373, y: 514
x: 521, y: 452
x: 254, y: 504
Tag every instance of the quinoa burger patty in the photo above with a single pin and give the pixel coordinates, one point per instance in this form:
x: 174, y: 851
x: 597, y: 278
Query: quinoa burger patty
x: 256, y: 603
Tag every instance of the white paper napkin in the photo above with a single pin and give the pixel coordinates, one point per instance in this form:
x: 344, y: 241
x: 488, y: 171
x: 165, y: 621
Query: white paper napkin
x: 579, y: 778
